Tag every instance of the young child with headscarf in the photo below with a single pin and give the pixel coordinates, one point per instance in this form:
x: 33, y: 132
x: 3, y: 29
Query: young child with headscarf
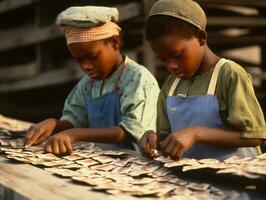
x: 115, y: 102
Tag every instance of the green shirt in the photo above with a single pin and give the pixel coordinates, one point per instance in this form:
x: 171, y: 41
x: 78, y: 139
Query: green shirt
x: 138, y: 97
x: 238, y: 106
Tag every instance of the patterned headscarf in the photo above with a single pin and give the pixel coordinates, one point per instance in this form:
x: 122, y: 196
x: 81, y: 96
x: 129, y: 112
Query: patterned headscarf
x: 77, y: 34
x: 88, y: 23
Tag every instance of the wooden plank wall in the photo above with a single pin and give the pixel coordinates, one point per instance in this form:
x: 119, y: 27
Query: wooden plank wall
x: 36, y: 69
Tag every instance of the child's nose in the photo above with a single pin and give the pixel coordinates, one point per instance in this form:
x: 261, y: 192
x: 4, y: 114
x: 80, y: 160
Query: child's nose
x: 172, y: 65
x: 86, y: 66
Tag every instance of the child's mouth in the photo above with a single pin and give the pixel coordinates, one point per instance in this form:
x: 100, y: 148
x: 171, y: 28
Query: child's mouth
x: 93, y: 75
x: 181, y: 75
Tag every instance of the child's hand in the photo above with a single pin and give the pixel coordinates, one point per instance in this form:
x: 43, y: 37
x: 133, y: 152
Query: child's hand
x: 179, y: 142
x: 148, y: 144
x: 60, y: 144
x: 39, y: 132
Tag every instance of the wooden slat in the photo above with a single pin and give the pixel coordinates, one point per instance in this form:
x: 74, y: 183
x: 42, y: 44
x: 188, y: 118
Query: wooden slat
x: 237, y: 21
x: 254, y: 3
x: 27, y: 38
x: 71, y: 72
x: 18, y: 71
x: 7, y: 5
x: 29, y: 182
x: 44, y: 79
x: 23, y: 38
x: 236, y: 41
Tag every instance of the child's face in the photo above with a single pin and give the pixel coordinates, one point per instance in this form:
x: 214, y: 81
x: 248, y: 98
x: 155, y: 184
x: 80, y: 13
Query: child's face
x: 96, y: 58
x: 181, y: 56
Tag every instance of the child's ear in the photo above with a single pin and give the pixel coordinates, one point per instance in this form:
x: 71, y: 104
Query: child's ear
x: 202, y: 37
x: 116, y: 42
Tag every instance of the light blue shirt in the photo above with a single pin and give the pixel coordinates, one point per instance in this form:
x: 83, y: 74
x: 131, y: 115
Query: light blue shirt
x: 138, y: 97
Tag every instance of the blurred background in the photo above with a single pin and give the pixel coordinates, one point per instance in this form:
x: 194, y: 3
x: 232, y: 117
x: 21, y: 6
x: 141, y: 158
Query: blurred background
x: 37, y: 71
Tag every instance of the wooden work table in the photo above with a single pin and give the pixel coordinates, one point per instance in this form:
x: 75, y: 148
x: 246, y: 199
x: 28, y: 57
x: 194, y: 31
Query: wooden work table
x: 23, y: 181
x: 20, y: 181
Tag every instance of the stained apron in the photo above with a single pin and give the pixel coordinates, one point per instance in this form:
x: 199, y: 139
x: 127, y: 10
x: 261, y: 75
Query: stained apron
x: 203, y: 110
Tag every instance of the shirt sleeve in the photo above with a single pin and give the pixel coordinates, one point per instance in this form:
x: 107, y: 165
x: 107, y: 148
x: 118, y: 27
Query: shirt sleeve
x: 244, y: 112
x: 139, y: 94
x: 75, y: 108
x: 163, y: 125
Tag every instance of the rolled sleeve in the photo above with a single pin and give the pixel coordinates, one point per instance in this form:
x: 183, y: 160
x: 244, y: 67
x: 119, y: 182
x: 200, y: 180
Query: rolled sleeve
x: 138, y: 102
x: 244, y: 112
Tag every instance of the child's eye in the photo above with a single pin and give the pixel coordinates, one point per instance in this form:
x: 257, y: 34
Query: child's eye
x: 87, y: 57
x: 91, y: 57
x: 177, y: 56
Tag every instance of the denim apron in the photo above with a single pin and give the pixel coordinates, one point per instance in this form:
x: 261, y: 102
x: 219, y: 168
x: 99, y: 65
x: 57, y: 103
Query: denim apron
x: 203, y: 110
x: 104, y: 111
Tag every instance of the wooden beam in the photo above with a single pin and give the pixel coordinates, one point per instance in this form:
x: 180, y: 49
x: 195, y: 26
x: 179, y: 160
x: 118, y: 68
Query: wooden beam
x: 29, y: 37
x: 236, y: 21
x: 13, y: 4
x: 18, y: 71
x: 237, y: 41
x: 253, y: 3
x: 70, y: 73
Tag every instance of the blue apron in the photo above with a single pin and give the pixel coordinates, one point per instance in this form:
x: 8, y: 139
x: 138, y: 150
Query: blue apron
x: 202, y: 110
x: 104, y: 111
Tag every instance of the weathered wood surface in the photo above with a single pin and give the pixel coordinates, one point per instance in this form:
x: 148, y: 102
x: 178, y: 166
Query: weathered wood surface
x: 13, y: 4
x: 29, y: 182
x: 29, y: 37
x: 254, y: 3
x: 18, y: 181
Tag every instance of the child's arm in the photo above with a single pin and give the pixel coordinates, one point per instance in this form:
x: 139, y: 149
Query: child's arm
x: 41, y: 131
x: 74, y: 115
x: 62, y: 142
x: 179, y: 142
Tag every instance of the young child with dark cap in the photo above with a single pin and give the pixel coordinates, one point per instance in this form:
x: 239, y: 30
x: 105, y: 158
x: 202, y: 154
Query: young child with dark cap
x: 207, y: 107
x: 115, y: 102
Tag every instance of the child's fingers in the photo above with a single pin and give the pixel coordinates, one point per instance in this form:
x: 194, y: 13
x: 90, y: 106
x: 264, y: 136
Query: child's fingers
x: 29, y: 135
x: 48, y: 148
x: 143, y: 143
x: 152, y: 141
x: 62, y: 147
x: 179, y: 154
x: 34, y: 137
x: 167, y: 150
x: 42, y: 138
x: 165, y: 142
x: 69, y: 147
x: 175, y: 153
x: 55, y: 147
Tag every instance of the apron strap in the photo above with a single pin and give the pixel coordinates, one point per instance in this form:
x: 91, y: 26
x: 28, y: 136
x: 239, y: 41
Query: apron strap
x: 214, y: 78
x: 90, y: 86
x: 213, y: 81
x: 173, y: 87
